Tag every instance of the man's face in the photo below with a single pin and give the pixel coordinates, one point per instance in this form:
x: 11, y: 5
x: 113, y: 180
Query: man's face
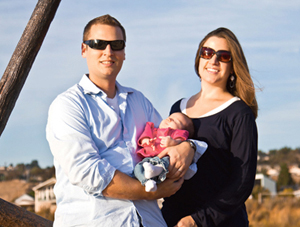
x: 104, y: 65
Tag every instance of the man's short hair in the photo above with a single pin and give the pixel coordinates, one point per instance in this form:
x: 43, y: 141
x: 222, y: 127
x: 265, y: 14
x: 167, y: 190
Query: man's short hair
x: 105, y: 19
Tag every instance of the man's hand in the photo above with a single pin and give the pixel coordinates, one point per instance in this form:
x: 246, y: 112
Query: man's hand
x: 167, y: 141
x: 181, y: 156
x: 187, y: 221
x: 167, y: 188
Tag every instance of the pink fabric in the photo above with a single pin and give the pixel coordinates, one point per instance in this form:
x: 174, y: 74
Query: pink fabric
x: 151, y: 132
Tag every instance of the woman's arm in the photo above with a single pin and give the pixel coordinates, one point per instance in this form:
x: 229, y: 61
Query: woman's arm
x: 187, y: 221
x: 237, y: 189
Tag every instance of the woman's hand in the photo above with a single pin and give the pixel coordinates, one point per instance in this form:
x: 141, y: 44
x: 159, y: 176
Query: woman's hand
x: 181, y: 156
x: 187, y: 221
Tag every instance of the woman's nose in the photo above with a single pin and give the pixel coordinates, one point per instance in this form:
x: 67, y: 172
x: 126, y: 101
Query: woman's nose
x: 214, y: 59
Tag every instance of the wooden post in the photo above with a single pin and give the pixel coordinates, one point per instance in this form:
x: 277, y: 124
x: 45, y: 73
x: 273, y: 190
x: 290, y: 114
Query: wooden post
x: 11, y: 85
x: 23, y: 57
x: 12, y: 215
x: 260, y: 198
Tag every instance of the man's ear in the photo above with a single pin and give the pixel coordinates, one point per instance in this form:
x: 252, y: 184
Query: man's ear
x: 83, y: 50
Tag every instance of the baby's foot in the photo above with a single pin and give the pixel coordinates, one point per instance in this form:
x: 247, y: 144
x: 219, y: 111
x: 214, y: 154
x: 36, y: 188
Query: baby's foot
x: 150, y: 186
x: 151, y: 170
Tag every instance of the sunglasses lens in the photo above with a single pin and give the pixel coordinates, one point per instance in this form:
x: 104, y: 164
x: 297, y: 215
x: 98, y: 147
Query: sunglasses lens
x: 99, y: 44
x: 117, y: 45
x: 224, y: 56
x: 206, y: 53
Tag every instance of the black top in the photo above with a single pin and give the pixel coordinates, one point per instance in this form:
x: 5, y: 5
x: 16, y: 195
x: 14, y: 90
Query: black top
x: 216, y: 194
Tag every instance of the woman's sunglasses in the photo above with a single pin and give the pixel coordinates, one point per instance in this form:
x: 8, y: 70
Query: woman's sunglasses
x: 101, y: 44
x: 222, y: 55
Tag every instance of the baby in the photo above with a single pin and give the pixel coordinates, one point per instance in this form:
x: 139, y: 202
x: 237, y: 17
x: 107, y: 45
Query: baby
x: 172, y: 131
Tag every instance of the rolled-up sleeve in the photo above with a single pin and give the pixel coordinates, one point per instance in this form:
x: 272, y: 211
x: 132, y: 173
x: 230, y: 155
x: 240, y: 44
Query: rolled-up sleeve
x: 73, y: 148
x: 201, y: 147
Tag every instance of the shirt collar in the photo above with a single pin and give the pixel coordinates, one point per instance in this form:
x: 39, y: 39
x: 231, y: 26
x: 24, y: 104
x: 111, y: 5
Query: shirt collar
x: 90, y: 88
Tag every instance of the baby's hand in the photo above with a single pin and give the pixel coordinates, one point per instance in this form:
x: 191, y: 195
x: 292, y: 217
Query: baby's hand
x: 166, y: 141
x: 148, y: 141
x: 145, y: 141
x: 152, y: 140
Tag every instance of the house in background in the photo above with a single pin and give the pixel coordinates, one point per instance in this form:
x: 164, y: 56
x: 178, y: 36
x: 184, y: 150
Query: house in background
x: 266, y: 182
x: 297, y: 194
x: 44, y: 196
x: 25, y: 201
x: 295, y: 173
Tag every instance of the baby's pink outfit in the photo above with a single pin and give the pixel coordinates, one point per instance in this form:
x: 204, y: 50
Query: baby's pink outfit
x: 152, y: 132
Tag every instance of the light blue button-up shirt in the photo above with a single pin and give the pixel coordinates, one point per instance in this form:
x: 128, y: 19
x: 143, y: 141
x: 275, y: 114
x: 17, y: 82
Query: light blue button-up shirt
x: 89, y: 141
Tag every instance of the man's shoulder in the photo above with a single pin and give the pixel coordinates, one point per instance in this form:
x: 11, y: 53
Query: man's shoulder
x: 126, y: 89
x: 73, y: 94
x: 129, y: 90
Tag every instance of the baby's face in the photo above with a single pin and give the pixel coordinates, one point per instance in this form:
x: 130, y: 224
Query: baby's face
x: 174, y: 121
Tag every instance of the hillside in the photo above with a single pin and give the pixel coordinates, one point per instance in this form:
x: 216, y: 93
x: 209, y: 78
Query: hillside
x: 10, y: 190
x: 276, y: 212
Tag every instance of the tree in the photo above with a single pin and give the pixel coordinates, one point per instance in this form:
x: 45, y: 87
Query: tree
x: 48, y: 173
x: 11, y: 84
x: 23, y: 57
x: 33, y: 164
x: 284, y: 178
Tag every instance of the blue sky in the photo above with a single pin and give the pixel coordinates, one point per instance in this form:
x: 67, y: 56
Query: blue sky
x: 162, y: 39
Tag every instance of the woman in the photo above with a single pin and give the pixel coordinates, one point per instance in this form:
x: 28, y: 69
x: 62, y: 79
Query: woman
x: 223, y: 113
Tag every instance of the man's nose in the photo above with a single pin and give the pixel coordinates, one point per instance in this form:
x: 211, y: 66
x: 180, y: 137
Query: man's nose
x: 108, y: 49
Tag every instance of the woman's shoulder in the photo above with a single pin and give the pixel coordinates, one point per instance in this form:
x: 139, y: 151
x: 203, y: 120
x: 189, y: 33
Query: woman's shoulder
x: 240, y: 106
x: 231, y: 110
x: 239, y: 109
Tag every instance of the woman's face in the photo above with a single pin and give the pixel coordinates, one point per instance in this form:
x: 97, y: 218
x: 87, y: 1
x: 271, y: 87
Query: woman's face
x: 212, y: 71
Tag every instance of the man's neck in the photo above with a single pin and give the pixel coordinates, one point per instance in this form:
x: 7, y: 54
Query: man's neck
x: 107, y: 86
x: 109, y: 89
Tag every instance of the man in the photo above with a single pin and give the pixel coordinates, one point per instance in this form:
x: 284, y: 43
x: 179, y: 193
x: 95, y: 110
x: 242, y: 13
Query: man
x: 92, y: 132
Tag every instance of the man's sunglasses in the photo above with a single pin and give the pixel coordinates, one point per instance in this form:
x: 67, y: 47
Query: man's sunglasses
x: 222, y: 55
x: 101, y: 44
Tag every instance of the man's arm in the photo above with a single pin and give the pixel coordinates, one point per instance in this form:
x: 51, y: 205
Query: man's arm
x: 124, y: 187
x: 181, y: 156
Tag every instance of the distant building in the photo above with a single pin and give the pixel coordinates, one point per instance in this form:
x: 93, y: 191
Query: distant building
x: 25, y: 201
x: 44, y: 195
x: 6, y: 168
x: 295, y: 173
x: 297, y: 194
x: 273, y: 172
x: 294, y: 170
x: 267, y: 183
